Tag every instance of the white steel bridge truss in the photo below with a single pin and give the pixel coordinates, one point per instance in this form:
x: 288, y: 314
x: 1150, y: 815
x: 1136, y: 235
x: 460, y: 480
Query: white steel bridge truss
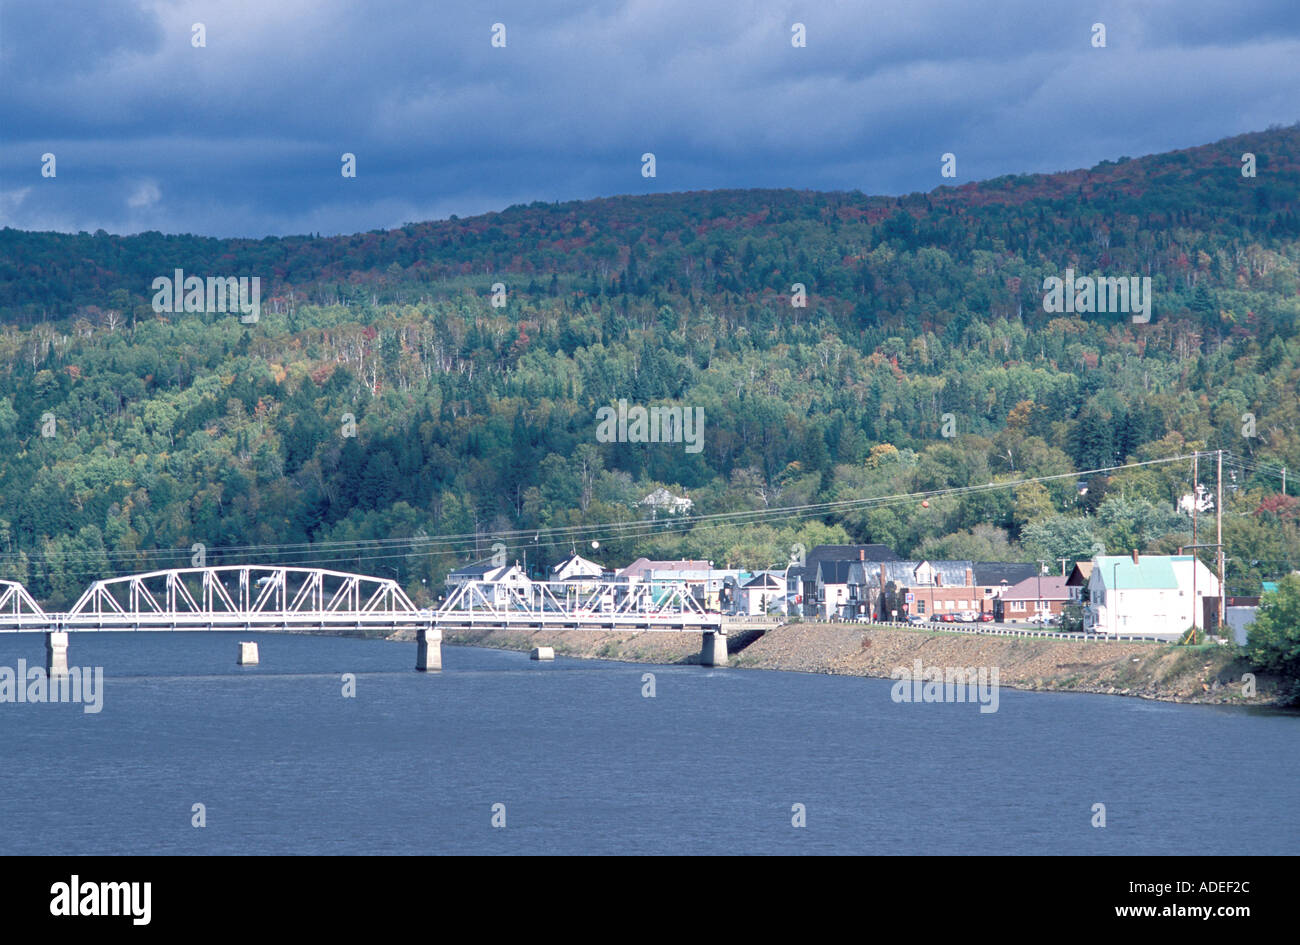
x: 578, y: 605
x: 233, y: 597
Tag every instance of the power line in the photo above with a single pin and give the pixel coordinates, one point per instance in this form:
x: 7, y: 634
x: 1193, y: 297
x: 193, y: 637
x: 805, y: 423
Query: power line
x: 343, y: 551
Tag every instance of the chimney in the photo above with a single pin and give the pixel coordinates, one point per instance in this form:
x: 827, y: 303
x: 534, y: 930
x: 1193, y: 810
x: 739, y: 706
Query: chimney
x: 862, y: 554
x: 1135, y: 556
x: 970, y: 578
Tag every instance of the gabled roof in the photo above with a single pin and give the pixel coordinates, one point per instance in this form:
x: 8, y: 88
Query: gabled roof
x: 765, y: 580
x: 1053, y: 587
x: 643, y: 566
x: 475, y: 570
x: 834, y: 572
x: 900, y: 572
x: 1152, y: 572
x: 577, y: 560
x: 848, y: 553
x: 1079, y: 574
x: 993, y: 573
x: 951, y: 573
x: 487, y: 571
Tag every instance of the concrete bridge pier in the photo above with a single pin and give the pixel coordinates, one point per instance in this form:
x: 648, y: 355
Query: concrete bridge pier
x: 56, y: 653
x: 713, y: 652
x: 428, y: 653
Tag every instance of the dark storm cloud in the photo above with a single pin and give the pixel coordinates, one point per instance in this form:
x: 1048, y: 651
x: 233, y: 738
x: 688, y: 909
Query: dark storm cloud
x: 244, y: 136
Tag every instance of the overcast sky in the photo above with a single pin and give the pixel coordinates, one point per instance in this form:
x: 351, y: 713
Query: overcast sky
x: 243, y: 137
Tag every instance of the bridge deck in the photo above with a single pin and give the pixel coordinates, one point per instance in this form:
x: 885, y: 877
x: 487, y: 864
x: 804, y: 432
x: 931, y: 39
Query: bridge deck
x: 680, y: 623
x: 251, y: 622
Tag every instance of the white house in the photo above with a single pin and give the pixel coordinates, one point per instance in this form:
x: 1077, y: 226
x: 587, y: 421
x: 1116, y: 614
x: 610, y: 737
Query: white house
x: 1150, y: 595
x: 662, y: 502
x: 763, y: 592
x: 577, y: 568
x: 506, y: 581
x: 832, y: 582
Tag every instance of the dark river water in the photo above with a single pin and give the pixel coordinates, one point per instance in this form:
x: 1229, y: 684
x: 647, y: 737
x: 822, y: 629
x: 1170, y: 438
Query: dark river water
x: 716, y: 762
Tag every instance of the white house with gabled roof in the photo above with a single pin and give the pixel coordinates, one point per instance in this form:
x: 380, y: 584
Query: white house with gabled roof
x: 1148, y: 595
x: 763, y: 592
x: 577, y: 568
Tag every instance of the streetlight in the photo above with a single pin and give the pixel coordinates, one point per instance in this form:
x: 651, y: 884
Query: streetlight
x: 1038, y: 604
x: 1114, y: 581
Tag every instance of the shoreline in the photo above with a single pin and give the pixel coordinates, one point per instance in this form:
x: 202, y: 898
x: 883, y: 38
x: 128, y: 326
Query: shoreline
x: 1203, y: 675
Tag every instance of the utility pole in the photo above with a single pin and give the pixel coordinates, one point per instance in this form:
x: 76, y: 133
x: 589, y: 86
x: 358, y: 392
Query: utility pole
x: 1196, y: 494
x: 1038, y: 604
x: 1114, y: 611
x: 1196, y: 501
x: 1218, y: 508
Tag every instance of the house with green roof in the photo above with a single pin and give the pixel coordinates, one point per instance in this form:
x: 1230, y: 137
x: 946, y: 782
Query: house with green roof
x: 1148, y: 595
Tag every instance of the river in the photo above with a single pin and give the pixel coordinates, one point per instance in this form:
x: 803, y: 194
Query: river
x: 583, y: 762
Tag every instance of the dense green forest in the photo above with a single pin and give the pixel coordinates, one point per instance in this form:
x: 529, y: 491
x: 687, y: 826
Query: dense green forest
x: 383, y: 415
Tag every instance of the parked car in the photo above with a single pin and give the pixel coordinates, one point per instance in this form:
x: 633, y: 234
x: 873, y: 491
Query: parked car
x: 986, y: 617
x: 946, y: 618
x: 968, y: 616
x: 916, y: 620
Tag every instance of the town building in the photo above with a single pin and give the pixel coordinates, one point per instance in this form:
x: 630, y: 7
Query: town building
x: 577, y: 568
x: 505, y: 580
x: 661, y: 503
x: 1149, y: 595
x: 486, y: 570
x: 763, y: 593
x: 1035, y: 599
x: 888, y: 590
x: 993, y: 579
x: 806, y: 572
x: 832, y: 588
x: 1077, y: 580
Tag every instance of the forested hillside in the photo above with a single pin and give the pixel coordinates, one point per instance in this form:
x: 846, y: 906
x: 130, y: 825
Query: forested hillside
x: 127, y: 436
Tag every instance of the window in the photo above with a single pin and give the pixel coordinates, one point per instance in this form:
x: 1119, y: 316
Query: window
x: 961, y: 605
x: 949, y: 604
x: 920, y: 606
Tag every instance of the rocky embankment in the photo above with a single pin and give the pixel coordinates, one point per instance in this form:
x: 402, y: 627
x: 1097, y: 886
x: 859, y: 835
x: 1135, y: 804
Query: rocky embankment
x: 1207, y: 674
